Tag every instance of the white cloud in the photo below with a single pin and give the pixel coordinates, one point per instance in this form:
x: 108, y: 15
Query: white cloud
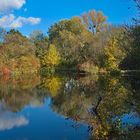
x: 9, y: 120
x: 10, y: 21
x: 6, y: 5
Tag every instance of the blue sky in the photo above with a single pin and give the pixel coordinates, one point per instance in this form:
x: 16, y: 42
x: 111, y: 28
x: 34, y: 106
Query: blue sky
x: 29, y: 15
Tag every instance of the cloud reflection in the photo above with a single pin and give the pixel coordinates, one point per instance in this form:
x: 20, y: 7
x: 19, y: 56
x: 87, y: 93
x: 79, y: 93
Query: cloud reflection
x: 9, y: 120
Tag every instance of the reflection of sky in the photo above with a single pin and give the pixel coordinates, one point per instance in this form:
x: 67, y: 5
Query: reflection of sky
x: 44, y: 124
x: 130, y: 120
x: 9, y: 120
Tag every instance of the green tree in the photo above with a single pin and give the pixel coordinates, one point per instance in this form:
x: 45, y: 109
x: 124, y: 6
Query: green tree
x: 131, y: 61
x: 75, y: 40
x: 17, y: 54
x: 41, y: 42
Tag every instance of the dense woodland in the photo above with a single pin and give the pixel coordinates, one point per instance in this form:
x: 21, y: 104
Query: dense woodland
x: 84, y: 43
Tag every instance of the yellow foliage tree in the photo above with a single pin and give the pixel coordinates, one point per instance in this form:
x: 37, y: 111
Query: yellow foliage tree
x: 52, y: 57
x: 113, y: 54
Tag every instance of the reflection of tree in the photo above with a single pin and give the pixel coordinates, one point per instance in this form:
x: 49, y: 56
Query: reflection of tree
x: 107, y: 98
x: 134, y: 81
x: 16, y: 92
x: 100, y: 101
x: 75, y: 98
x: 52, y: 84
x: 115, y: 101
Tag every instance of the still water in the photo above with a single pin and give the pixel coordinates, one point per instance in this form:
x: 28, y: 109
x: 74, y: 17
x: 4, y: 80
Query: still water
x: 70, y: 108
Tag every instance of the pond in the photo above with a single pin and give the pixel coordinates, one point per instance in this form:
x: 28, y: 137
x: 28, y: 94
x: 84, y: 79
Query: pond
x: 69, y: 107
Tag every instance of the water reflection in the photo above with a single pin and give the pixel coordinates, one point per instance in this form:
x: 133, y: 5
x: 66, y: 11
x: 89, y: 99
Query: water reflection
x: 105, y: 107
x: 9, y: 120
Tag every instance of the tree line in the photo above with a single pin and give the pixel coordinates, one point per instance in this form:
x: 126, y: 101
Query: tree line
x: 84, y: 43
